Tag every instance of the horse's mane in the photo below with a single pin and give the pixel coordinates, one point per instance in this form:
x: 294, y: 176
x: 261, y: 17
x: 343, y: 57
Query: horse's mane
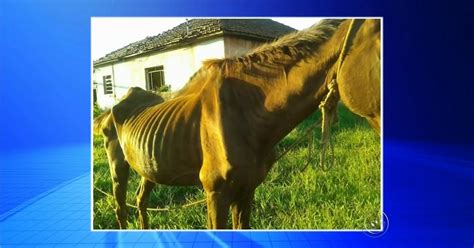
x: 285, y: 51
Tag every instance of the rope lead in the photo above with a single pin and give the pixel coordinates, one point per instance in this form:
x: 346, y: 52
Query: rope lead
x: 329, y: 115
x: 156, y: 209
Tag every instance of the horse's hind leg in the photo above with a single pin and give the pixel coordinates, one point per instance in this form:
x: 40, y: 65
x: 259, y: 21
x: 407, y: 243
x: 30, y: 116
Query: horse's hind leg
x: 142, y: 201
x: 119, y: 170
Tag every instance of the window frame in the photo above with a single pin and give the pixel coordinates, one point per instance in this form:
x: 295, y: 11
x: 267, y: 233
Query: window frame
x: 149, y: 77
x: 108, y: 85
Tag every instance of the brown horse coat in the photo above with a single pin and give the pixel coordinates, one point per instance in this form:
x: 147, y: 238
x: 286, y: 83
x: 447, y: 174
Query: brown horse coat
x: 133, y: 102
x: 221, y: 129
x: 359, y: 75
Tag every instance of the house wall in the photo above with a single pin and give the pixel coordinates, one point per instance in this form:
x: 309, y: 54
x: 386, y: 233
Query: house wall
x: 102, y: 100
x: 238, y: 46
x: 178, y: 64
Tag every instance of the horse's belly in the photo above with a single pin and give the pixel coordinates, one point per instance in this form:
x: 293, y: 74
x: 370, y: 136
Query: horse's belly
x: 163, y: 144
x: 179, y: 174
x: 170, y: 163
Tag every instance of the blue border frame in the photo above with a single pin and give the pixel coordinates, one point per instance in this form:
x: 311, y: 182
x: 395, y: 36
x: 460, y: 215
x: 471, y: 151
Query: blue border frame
x: 45, y: 136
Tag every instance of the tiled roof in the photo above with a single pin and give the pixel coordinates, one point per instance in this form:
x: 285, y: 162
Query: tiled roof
x: 261, y: 29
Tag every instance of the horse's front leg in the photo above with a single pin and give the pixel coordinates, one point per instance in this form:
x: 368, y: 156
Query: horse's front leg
x: 218, y: 195
x: 218, y: 203
x: 241, y: 209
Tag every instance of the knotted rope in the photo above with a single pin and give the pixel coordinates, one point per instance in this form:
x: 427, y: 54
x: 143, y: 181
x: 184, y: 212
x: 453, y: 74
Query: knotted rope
x: 329, y: 115
x: 307, y: 133
x: 329, y: 105
x: 328, y: 108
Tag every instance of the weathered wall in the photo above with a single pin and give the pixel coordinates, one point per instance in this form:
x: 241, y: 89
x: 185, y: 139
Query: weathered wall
x: 236, y: 46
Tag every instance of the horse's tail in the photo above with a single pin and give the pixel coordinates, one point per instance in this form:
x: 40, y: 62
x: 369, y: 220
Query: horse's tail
x: 99, y: 121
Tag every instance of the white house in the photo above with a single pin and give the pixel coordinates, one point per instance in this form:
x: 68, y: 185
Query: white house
x: 172, y: 57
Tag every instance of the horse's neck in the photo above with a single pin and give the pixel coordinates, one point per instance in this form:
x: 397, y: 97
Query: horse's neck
x: 292, y: 101
x: 297, y: 97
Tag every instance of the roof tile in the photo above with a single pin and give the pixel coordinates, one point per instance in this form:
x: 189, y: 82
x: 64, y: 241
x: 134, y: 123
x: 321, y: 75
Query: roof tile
x: 263, y: 29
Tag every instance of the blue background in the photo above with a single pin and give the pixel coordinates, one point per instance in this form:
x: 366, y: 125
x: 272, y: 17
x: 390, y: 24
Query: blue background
x: 45, y: 115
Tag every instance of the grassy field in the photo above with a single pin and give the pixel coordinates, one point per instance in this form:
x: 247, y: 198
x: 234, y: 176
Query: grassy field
x: 344, y: 196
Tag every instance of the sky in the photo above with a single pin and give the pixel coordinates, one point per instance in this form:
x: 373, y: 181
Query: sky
x: 111, y: 33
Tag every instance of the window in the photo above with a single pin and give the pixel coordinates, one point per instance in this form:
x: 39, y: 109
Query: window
x: 107, y: 81
x: 94, y: 92
x: 155, y: 78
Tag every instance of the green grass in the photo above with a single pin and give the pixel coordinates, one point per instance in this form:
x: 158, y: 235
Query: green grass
x: 344, y: 196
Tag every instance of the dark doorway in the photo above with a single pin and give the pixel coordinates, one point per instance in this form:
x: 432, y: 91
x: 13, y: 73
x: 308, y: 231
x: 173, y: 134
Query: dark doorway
x: 94, y: 96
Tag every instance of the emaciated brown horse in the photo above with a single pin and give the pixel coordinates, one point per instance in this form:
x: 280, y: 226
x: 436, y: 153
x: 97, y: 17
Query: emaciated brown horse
x: 221, y: 129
